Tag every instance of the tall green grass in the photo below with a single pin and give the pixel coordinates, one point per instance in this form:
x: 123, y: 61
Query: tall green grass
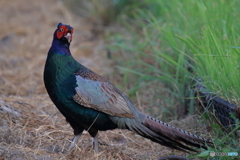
x: 166, y: 39
x: 215, y: 57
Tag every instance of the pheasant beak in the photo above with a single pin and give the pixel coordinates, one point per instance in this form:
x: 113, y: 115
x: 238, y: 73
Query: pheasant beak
x: 68, y: 36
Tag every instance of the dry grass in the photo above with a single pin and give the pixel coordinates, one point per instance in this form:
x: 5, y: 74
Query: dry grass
x: 30, y: 125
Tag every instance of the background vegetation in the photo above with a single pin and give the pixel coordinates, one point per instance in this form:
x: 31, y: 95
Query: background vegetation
x: 176, y: 42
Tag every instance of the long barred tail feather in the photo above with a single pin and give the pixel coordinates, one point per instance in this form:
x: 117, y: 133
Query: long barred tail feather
x: 175, y: 133
x: 163, y: 133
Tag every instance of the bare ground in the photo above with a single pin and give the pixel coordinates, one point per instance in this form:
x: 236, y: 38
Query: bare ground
x: 30, y: 125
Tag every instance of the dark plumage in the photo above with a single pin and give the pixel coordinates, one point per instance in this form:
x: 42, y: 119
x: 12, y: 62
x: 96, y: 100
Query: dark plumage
x: 90, y: 102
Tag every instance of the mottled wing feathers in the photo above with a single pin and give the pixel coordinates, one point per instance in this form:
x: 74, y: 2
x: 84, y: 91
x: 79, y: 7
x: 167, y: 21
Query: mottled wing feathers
x: 93, y: 91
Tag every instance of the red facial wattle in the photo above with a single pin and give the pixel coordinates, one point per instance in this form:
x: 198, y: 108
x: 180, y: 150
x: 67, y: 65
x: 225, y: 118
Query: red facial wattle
x: 64, y: 31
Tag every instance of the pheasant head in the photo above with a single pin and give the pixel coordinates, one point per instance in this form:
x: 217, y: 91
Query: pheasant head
x: 64, y: 32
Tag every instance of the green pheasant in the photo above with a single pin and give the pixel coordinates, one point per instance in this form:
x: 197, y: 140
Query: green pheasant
x: 90, y: 102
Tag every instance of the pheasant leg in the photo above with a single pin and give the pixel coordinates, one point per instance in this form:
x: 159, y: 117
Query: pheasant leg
x: 95, y: 143
x: 75, y: 139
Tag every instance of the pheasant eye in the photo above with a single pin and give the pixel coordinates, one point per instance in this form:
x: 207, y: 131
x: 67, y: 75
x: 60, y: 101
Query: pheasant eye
x: 61, y: 29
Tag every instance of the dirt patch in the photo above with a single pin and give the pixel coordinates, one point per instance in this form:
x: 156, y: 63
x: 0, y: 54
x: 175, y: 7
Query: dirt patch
x: 30, y: 125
